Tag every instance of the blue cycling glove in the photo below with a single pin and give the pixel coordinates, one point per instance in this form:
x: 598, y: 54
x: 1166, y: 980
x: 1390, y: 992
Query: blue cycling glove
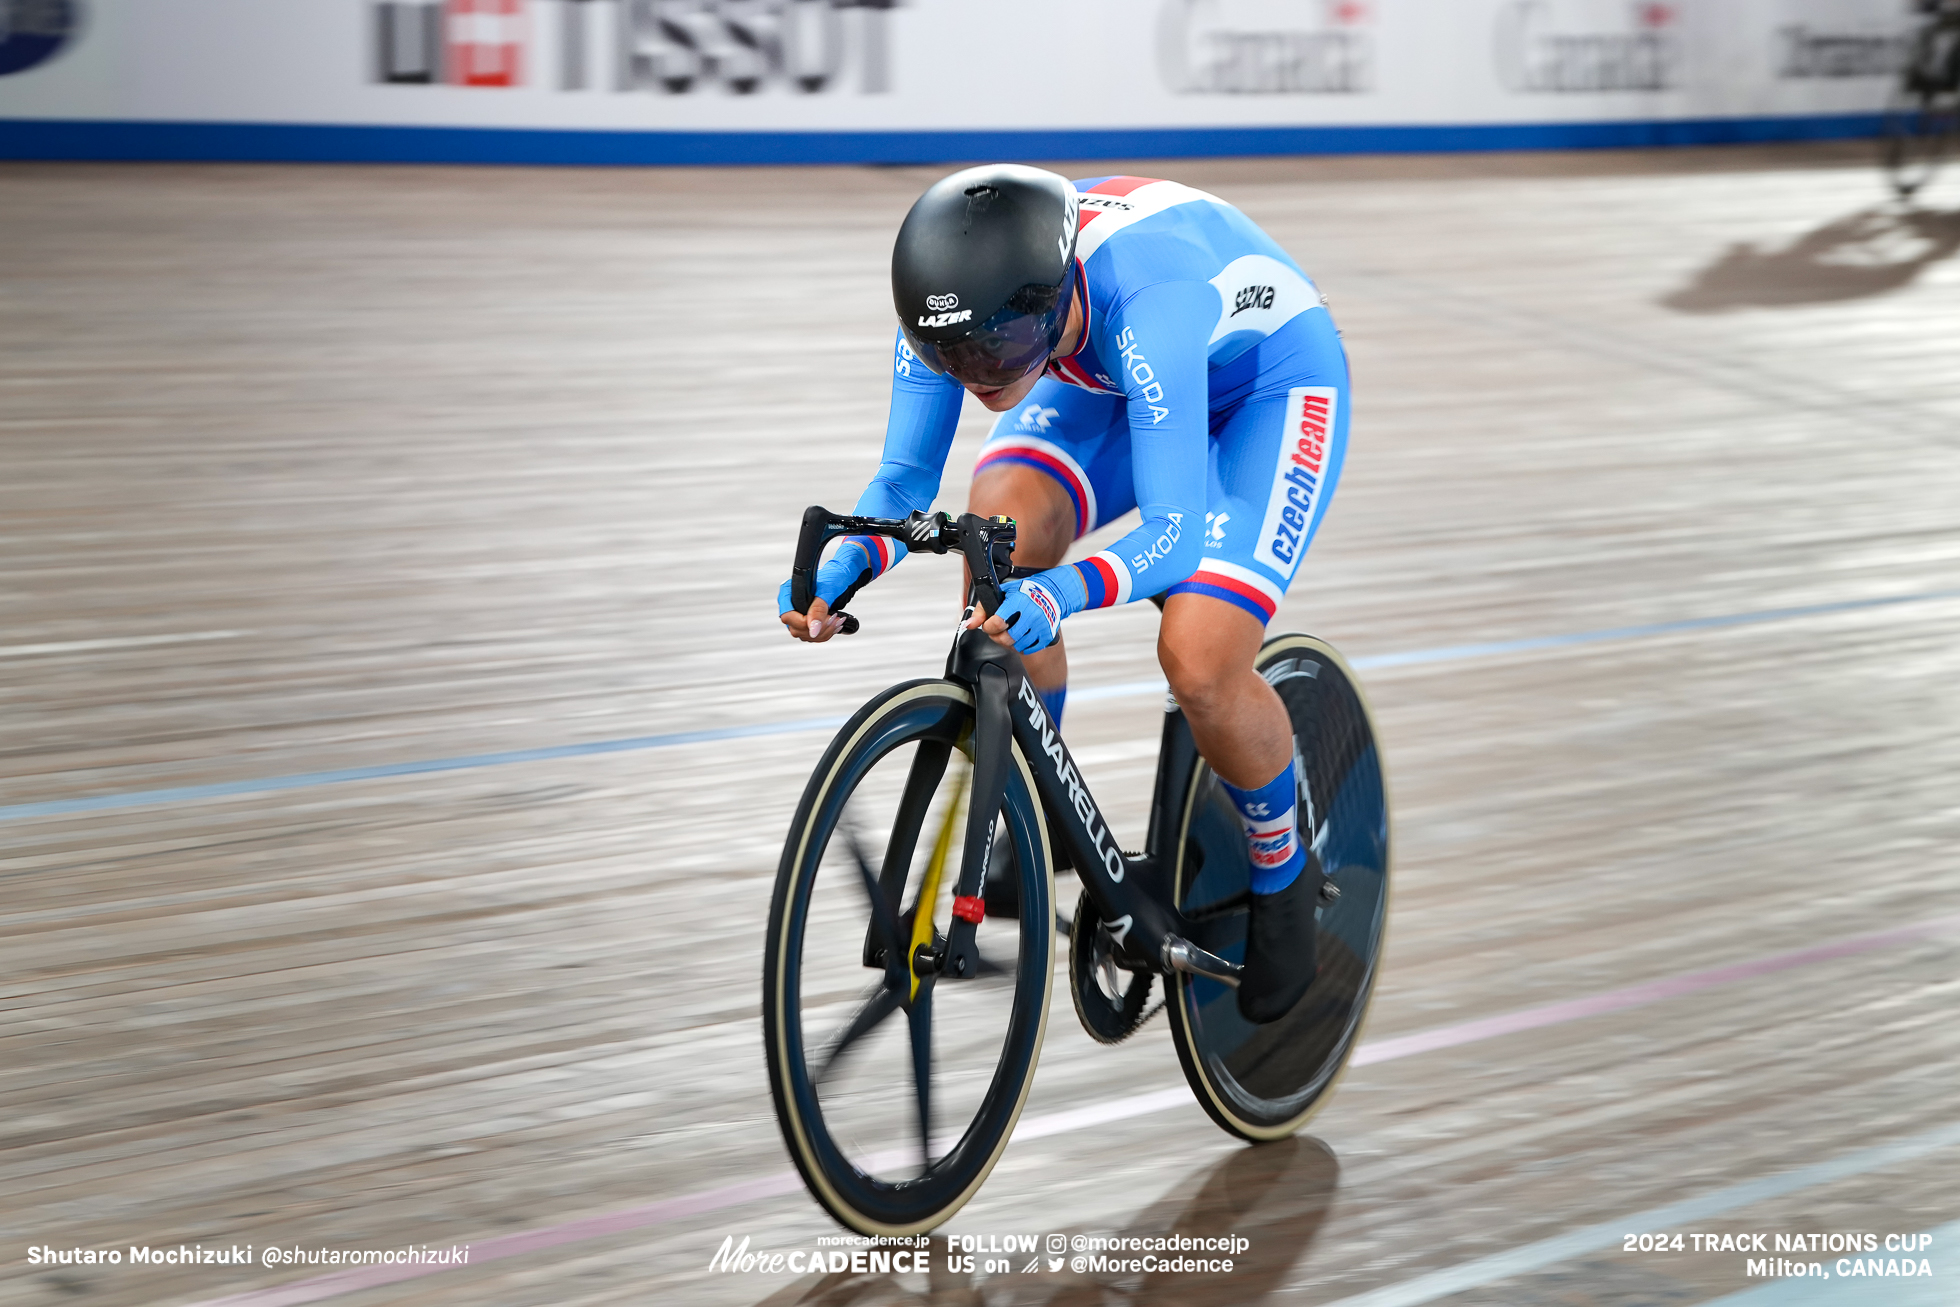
x: 1034, y: 607
x: 860, y: 560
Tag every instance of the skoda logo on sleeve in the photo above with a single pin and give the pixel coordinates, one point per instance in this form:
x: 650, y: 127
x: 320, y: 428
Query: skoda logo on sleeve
x: 33, y: 31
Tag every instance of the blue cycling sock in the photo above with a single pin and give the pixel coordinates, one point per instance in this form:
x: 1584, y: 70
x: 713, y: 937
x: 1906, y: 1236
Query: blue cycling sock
x: 1053, y: 700
x: 1271, y: 828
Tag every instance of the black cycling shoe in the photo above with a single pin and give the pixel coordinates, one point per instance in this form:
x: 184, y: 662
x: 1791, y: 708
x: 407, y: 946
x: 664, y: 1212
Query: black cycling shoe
x: 1280, y: 942
x: 1002, y: 890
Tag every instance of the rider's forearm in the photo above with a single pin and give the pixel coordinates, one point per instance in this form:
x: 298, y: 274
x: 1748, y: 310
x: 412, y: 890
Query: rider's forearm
x: 1157, y: 555
x: 925, y: 411
x: 897, y: 489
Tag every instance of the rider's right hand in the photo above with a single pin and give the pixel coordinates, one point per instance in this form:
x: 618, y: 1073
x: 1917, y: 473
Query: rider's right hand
x: 818, y: 626
x: 857, y: 563
x: 842, y: 575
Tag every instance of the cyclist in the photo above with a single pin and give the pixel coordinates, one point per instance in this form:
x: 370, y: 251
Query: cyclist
x: 1146, y: 347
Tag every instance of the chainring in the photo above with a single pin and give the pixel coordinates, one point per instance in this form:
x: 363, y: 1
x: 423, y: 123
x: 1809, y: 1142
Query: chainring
x: 1110, y: 997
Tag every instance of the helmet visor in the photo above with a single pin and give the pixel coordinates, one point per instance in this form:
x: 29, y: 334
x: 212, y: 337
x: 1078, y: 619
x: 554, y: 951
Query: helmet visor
x: 999, y: 352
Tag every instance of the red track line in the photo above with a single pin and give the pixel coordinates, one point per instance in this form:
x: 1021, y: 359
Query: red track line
x: 1380, y: 1050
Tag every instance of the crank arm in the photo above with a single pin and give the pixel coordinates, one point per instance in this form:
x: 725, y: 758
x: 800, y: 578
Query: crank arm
x: 1182, y: 955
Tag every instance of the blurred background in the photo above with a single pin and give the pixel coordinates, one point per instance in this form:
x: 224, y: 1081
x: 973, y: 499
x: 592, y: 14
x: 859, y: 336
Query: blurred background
x: 397, y: 738
x: 920, y: 81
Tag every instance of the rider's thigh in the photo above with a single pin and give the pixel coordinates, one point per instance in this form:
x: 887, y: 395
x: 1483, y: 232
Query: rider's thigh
x: 1275, y: 462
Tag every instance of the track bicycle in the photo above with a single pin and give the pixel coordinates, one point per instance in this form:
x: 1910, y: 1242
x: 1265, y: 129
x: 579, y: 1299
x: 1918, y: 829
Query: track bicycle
x: 903, y: 1022
x: 1922, y: 121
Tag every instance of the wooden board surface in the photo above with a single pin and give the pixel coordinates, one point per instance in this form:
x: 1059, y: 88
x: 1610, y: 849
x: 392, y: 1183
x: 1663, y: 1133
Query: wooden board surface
x: 304, y: 470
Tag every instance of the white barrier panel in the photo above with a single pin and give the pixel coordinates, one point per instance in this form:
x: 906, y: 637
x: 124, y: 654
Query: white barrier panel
x: 824, y: 79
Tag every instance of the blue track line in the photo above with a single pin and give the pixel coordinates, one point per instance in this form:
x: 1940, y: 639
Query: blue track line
x: 1459, y: 652
x: 633, y: 744
x: 306, y: 780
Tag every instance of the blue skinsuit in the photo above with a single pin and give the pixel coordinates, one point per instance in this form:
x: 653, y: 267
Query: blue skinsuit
x: 1209, y: 391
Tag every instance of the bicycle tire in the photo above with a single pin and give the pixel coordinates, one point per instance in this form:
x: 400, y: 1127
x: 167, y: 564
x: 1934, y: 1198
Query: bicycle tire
x: 1264, y: 1082
x: 940, y: 714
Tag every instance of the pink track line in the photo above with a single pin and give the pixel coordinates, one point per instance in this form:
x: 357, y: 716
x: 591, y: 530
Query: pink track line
x: 1654, y: 991
x: 1380, y: 1050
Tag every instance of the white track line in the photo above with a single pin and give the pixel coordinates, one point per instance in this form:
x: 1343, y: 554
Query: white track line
x: 113, y: 642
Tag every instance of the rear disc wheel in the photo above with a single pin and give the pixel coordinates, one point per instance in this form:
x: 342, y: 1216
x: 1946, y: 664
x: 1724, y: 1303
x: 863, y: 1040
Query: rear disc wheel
x: 1264, y: 1081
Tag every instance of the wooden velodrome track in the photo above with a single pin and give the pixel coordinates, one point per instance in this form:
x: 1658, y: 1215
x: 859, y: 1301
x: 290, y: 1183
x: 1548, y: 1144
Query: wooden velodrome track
x: 306, y: 471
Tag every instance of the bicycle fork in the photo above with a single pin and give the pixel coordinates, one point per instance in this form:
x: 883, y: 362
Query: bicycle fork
x: 1130, y: 893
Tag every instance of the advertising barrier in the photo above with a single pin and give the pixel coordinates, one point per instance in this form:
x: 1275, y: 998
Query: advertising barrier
x: 816, y: 81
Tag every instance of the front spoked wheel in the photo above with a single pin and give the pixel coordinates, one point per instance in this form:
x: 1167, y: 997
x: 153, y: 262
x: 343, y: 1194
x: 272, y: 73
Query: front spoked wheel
x: 897, y: 1082
x: 1264, y: 1081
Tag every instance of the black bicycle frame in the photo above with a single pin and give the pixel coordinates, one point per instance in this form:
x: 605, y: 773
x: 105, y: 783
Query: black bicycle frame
x: 1132, y: 893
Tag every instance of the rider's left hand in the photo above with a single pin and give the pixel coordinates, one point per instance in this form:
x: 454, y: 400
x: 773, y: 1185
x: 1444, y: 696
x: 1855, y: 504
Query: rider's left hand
x: 1029, y: 618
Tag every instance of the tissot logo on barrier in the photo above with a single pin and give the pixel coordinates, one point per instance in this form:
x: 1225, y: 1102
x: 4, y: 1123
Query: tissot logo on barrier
x: 669, y: 47
x: 462, y: 42
x: 1257, y: 47
x: 33, y: 31
x: 1588, y: 46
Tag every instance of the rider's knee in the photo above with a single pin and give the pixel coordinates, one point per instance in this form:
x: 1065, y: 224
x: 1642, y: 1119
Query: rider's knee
x: 1206, y: 649
x: 1198, y: 682
x: 1036, y: 501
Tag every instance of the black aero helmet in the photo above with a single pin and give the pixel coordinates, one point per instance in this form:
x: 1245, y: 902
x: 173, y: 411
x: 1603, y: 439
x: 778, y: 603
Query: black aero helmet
x: 982, y: 270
